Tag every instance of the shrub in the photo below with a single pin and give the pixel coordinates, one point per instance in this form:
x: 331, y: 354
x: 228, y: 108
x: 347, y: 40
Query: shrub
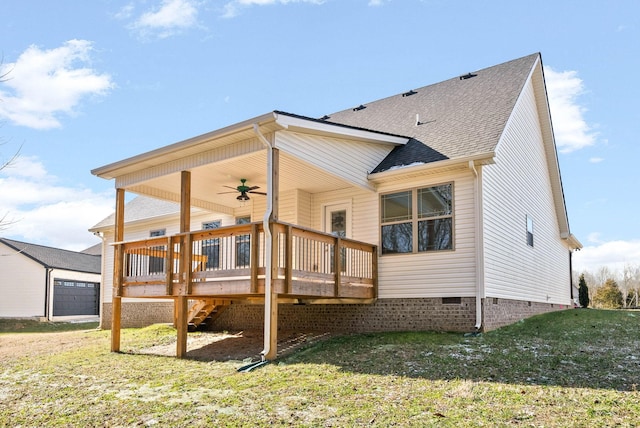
x: 583, y: 292
x: 608, y: 296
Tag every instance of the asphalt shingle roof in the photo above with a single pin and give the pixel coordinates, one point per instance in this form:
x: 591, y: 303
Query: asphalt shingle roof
x: 56, y: 257
x: 458, y: 117
x: 141, y: 208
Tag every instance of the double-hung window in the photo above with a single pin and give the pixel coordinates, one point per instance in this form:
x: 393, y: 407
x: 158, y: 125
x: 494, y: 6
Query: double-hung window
x: 211, y: 247
x: 529, y: 231
x: 417, y: 220
x: 243, y: 245
x: 157, y: 254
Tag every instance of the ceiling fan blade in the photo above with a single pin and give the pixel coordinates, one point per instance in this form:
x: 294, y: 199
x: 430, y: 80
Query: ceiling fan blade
x: 253, y: 188
x: 234, y: 188
x: 224, y: 193
x: 257, y: 193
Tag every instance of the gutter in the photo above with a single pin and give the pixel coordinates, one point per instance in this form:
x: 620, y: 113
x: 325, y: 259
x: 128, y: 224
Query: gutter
x: 483, y: 158
x: 268, y: 303
x: 479, y: 245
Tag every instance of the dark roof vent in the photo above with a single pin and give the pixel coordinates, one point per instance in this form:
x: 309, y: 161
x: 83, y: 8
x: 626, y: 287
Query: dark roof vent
x: 325, y: 117
x: 408, y: 94
x: 360, y: 107
x: 467, y: 76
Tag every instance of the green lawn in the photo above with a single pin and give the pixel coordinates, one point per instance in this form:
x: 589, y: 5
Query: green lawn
x: 571, y: 368
x: 33, y: 326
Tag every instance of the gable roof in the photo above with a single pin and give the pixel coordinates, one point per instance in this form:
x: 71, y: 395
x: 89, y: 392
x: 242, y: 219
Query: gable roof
x: 55, y: 257
x: 457, y: 118
x: 140, y: 208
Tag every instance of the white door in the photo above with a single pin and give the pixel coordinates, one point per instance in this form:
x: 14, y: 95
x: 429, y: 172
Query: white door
x: 337, y: 221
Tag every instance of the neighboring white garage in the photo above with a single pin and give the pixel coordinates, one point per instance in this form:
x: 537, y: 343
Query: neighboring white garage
x: 49, y: 283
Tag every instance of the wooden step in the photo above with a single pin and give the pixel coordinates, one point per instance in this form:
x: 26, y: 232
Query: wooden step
x: 205, y: 308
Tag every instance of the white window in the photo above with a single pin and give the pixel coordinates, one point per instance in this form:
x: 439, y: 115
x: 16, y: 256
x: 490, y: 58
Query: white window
x: 157, y: 254
x: 423, y: 215
x: 211, y: 247
x: 529, y: 231
x: 243, y: 245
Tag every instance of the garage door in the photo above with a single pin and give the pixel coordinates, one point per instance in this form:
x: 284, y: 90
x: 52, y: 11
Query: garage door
x: 75, y: 297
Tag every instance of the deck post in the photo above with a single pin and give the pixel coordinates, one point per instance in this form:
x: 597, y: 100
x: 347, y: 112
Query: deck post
x: 116, y: 301
x: 181, y: 306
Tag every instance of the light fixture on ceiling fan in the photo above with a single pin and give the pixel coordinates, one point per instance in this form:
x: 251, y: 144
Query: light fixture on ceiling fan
x: 243, y: 189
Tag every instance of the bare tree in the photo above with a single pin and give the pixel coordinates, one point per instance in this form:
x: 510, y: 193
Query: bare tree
x: 4, y: 221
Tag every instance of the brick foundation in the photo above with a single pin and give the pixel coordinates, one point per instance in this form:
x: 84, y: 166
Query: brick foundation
x: 138, y: 314
x: 437, y: 314
x: 500, y: 312
x: 384, y: 315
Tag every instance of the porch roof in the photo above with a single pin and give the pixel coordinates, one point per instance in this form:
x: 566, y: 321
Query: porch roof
x: 267, y: 123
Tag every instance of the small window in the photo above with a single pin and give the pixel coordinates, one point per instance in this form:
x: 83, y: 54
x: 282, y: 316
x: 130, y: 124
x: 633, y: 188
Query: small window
x: 529, y: 231
x: 452, y: 300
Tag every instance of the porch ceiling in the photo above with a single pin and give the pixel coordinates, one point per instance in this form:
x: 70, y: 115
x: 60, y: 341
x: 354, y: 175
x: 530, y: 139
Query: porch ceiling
x: 208, y: 181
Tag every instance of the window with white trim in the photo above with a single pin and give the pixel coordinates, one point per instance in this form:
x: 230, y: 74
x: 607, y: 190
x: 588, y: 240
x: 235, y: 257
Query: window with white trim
x: 243, y: 245
x: 157, y: 254
x: 211, y: 247
x: 423, y: 216
x: 529, y: 231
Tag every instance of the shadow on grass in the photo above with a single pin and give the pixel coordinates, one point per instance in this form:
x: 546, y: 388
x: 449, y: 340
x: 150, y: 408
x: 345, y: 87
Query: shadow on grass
x: 238, y: 346
x: 572, y: 348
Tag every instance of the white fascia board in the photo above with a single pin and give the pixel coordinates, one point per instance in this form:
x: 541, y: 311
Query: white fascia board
x: 572, y: 241
x: 313, y: 127
x: 110, y: 171
x: 481, y: 159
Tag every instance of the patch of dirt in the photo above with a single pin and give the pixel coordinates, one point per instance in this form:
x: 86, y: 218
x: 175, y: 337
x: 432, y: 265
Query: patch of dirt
x: 238, y: 346
x: 202, y: 346
x: 15, y: 345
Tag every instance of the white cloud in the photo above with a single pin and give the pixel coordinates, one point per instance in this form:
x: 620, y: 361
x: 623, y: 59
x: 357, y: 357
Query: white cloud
x: 376, y: 2
x: 44, y: 84
x: 232, y: 8
x: 571, y: 129
x: 594, y: 237
x: 596, y: 160
x: 613, y: 255
x: 171, y: 18
x: 39, y: 210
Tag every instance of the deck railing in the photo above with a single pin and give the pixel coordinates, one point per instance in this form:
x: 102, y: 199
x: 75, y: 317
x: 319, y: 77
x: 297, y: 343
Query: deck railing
x: 230, y: 261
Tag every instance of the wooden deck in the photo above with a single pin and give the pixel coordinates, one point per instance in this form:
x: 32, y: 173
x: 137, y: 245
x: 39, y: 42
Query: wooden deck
x: 229, y: 263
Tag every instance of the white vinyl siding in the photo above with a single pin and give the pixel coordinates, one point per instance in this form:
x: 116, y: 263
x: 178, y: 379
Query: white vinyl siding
x: 347, y: 159
x: 447, y: 273
x: 430, y: 274
x: 515, y: 187
x: 22, y: 285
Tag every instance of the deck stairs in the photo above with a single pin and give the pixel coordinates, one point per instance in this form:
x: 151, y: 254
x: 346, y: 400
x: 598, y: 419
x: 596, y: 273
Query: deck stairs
x: 205, y: 310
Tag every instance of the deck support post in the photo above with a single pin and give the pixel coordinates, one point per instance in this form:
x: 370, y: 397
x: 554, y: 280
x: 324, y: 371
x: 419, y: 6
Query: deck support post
x: 181, y: 306
x: 116, y: 301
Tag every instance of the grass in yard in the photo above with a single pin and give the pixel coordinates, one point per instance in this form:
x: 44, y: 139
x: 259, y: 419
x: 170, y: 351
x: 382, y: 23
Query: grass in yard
x: 34, y: 326
x: 571, y: 368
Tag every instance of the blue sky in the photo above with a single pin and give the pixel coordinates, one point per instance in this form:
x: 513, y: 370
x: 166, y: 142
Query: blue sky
x: 93, y: 82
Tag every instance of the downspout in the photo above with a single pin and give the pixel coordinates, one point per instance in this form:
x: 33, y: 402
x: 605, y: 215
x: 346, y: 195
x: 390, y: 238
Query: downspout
x: 267, y: 243
x: 47, y: 290
x: 479, y: 245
